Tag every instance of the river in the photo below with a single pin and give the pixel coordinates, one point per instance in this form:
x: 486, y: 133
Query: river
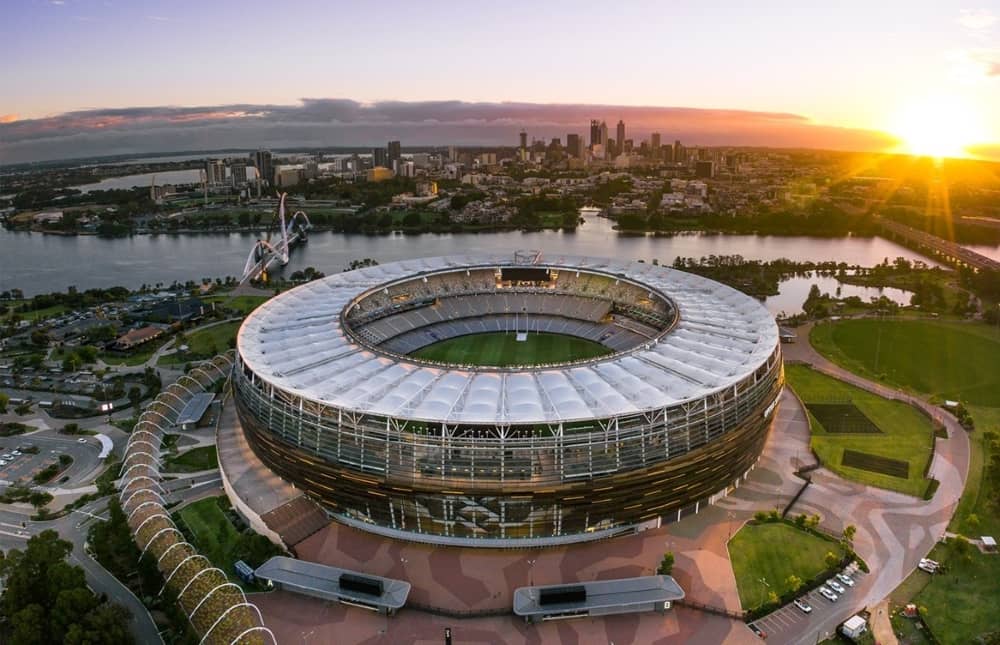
x: 39, y: 263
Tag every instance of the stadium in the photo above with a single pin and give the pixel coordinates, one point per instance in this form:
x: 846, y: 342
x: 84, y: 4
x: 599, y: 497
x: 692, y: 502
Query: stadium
x: 509, y: 400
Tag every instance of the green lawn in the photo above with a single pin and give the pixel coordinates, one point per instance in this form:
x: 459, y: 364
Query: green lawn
x: 949, y: 360
x: 204, y: 344
x: 138, y: 357
x: 907, y: 435
x: 37, y: 314
x: 770, y: 553
x: 975, y: 500
x: 502, y: 349
x: 213, y: 534
x: 194, y: 460
x: 242, y: 304
x: 964, y: 602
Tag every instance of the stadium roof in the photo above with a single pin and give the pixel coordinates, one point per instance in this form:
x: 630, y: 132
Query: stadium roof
x: 296, y: 343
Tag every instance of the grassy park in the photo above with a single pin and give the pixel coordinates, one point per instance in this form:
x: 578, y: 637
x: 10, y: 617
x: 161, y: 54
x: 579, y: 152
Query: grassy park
x: 192, y: 461
x: 947, y: 360
x: 765, y: 555
x: 963, y: 602
x: 942, y: 360
x: 204, y: 343
x: 241, y: 304
x: 503, y: 349
x: 902, y: 436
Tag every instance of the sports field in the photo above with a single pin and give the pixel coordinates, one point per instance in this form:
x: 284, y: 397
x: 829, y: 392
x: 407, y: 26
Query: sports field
x: 503, y: 349
x: 894, y: 456
x: 949, y: 360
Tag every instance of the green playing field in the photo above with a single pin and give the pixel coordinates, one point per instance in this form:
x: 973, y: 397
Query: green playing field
x: 503, y: 349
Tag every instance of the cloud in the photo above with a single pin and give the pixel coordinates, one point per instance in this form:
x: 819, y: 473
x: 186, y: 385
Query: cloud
x: 317, y: 122
x: 159, y: 18
x: 976, y: 19
x: 8, y: 118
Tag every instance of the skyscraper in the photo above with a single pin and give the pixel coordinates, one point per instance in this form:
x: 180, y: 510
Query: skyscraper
x: 524, y: 139
x: 604, y: 133
x: 654, y: 140
x: 679, y: 156
x: 573, y: 145
x: 595, y: 133
x: 620, y: 136
x: 215, y: 172
x: 380, y: 158
x: 262, y: 162
x: 238, y: 172
x: 395, y: 154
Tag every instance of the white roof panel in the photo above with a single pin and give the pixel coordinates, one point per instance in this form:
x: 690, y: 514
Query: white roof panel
x: 295, y: 341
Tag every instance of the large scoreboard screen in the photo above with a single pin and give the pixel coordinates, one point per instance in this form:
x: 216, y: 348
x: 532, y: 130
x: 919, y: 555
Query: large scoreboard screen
x: 524, y: 274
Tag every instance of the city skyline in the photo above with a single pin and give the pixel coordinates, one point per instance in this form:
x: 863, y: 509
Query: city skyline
x: 922, y: 79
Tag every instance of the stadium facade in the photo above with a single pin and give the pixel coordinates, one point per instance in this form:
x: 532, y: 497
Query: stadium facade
x: 670, y: 419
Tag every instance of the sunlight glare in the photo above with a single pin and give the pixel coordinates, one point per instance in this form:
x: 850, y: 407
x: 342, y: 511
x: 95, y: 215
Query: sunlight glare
x: 942, y: 126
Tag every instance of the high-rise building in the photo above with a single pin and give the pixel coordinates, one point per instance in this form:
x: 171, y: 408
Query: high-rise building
x: 654, y: 140
x: 704, y: 169
x: 380, y: 158
x: 395, y: 154
x: 678, y: 152
x: 262, y: 162
x: 238, y: 172
x: 573, y: 145
x: 595, y: 133
x: 452, y: 153
x: 215, y: 172
x: 524, y: 139
x: 604, y: 133
x: 620, y: 136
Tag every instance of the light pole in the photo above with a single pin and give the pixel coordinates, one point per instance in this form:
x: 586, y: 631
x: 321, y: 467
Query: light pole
x: 531, y: 565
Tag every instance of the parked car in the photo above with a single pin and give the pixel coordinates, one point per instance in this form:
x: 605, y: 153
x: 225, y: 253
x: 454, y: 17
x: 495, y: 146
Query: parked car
x: 3, y: 463
x: 757, y: 630
x: 836, y: 586
x: 927, y: 565
x: 829, y: 595
x: 803, y: 605
x: 6, y: 457
x: 16, y: 453
x: 81, y: 440
x: 846, y: 579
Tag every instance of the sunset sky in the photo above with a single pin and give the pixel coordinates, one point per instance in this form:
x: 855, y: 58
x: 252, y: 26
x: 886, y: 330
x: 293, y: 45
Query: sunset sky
x: 903, y: 68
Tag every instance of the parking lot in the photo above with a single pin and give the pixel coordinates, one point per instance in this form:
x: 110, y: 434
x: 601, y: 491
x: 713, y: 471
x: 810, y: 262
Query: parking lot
x: 790, y: 623
x: 24, y: 467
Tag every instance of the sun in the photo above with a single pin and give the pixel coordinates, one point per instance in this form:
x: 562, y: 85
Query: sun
x: 942, y: 126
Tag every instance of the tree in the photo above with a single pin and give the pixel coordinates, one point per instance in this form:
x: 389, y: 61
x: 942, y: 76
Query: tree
x: 973, y: 521
x: 39, y: 338
x: 849, y: 532
x: 46, y: 600
x: 4, y: 400
x: 773, y: 598
x: 794, y: 582
x: 666, y: 564
x: 831, y: 560
x: 134, y: 395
